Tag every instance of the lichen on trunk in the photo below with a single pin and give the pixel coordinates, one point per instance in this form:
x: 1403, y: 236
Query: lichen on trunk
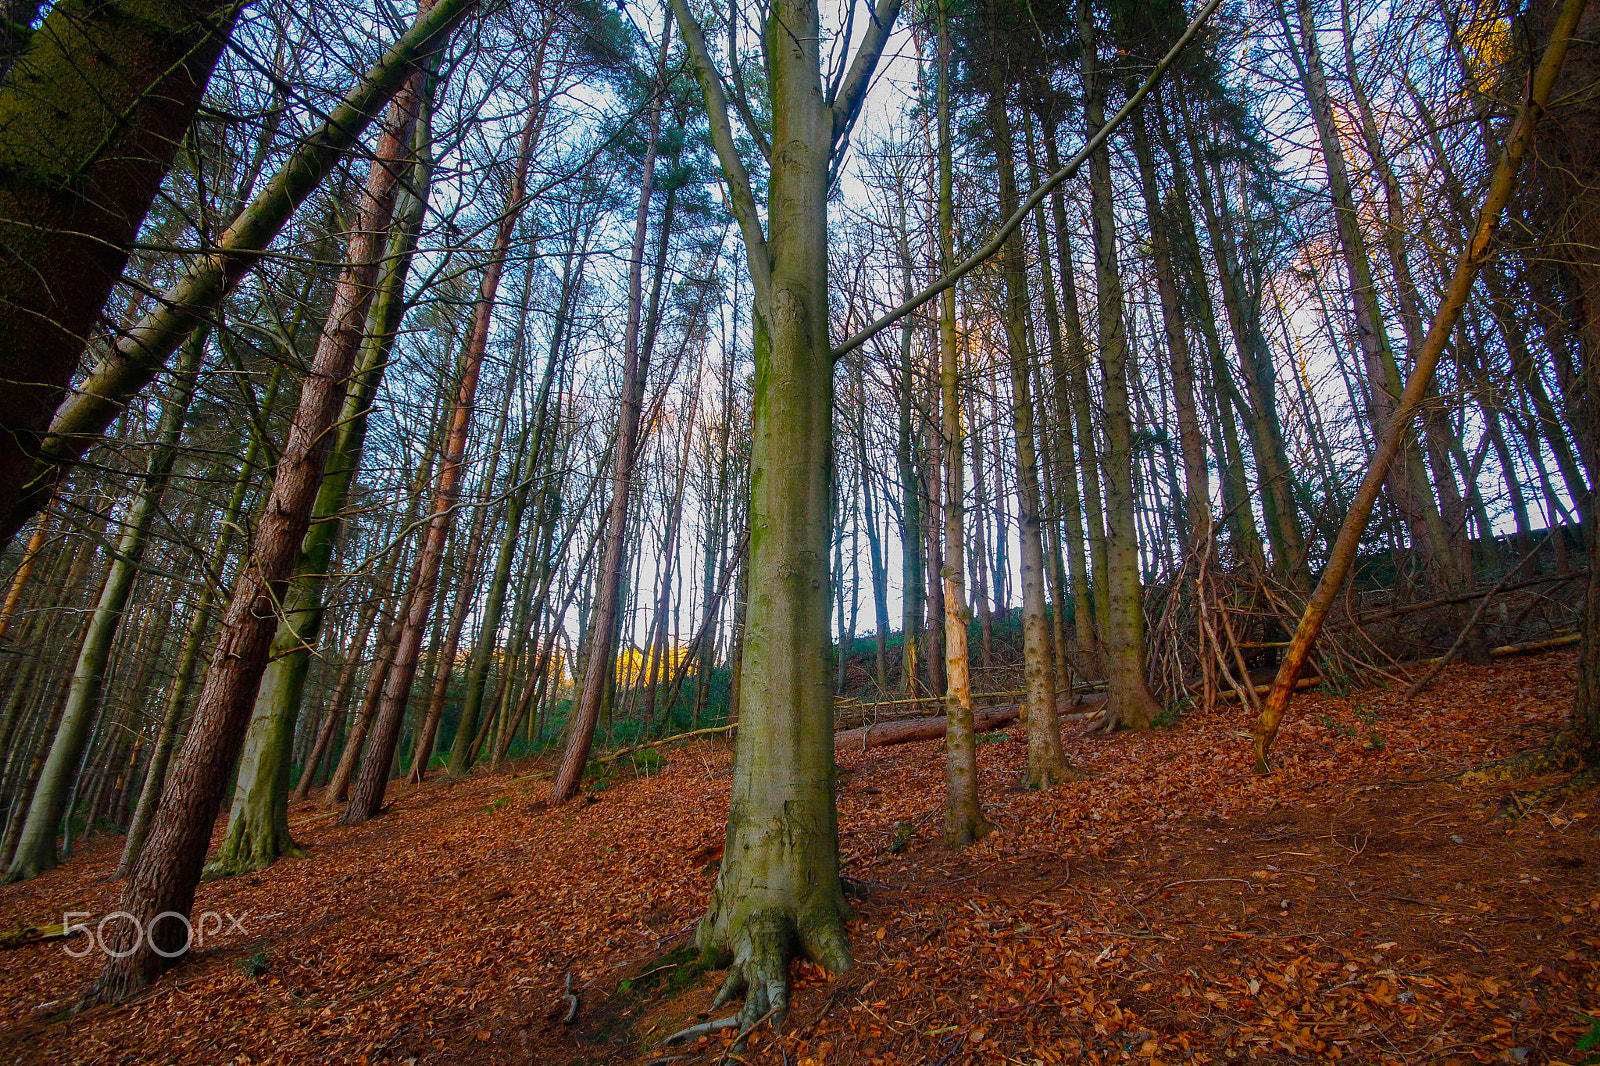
x: 258, y: 823
x: 779, y: 894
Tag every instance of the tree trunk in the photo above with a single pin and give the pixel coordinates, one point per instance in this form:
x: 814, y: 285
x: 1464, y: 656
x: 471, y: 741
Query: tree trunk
x: 258, y: 823
x: 36, y: 850
x: 778, y: 894
x: 531, y: 461
x: 1129, y: 704
x: 1565, y: 171
x: 1408, y: 487
x: 1259, y: 405
x: 1196, y: 482
x: 160, y: 891
x: 1075, y: 407
x: 366, y: 797
x: 177, y: 696
x: 1047, y: 765
x: 1342, y: 555
x: 913, y: 583
x: 599, y: 669
x: 83, y: 149
x: 964, y: 822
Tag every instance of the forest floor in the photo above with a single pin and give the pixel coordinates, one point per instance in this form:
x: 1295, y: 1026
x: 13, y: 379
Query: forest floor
x: 1173, y: 907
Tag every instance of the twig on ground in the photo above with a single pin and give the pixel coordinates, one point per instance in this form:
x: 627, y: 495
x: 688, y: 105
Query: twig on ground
x: 1191, y: 881
x: 572, y: 1001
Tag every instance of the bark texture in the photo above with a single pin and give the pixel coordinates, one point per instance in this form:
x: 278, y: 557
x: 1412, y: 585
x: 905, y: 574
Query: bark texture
x: 83, y: 148
x: 163, y: 881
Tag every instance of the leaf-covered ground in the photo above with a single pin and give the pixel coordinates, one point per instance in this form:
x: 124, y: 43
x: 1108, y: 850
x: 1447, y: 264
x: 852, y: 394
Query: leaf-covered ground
x: 1172, y: 908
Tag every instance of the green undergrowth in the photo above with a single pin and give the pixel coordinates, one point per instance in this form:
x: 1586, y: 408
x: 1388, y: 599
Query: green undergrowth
x: 646, y: 763
x: 646, y: 993
x: 669, y: 974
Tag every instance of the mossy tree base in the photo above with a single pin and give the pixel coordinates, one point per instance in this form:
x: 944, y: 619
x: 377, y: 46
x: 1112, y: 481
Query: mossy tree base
x: 1129, y: 709
x: 964, y: 830
x: 1560, y: 756
x: 1047, y: 777
x: 252, y: 845
x: 27, y: 866
x: 757, y: 948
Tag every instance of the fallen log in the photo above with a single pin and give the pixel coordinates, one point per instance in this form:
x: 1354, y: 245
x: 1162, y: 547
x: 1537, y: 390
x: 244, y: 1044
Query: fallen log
x: 1535, y: 646
x: 39, y: 934
x: 984, y: 720
x: 1261, y: 690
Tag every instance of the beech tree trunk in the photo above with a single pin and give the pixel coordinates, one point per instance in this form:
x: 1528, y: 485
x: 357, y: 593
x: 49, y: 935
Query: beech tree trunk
x: 778, y: 894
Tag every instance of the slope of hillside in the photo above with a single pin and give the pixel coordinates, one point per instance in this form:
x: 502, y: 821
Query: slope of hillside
x: 1171, y: 908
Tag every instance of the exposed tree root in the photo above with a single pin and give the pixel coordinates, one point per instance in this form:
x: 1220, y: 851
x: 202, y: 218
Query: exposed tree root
x: 702, y: 1029
x: 251, y: 846
x: 760, y: 969
x: 1560, y: 756
x: 1521, y: 804
x: 761, y: 948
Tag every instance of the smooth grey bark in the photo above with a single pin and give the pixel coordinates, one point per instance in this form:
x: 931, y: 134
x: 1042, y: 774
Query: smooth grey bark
x: 779, y: 894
